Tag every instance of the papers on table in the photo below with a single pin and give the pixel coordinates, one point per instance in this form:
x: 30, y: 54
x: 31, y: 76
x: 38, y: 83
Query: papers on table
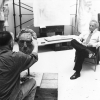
x: 57, y: 38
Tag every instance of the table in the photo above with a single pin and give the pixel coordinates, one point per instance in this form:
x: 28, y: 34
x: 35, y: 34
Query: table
x: 55, y: 39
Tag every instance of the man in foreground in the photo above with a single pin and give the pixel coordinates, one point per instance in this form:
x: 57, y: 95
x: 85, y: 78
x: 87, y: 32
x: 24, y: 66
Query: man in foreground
x: 11, y: 65
x: 85, y: 46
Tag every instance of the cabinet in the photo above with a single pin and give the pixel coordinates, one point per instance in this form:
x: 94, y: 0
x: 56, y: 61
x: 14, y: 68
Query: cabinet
x: 99, y: 21
x: 59, y: 30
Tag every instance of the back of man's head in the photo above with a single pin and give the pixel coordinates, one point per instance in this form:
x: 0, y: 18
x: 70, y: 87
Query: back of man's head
x: 5, y: 38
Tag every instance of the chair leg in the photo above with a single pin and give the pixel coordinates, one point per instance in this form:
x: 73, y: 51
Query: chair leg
x: 95, y: 60
x: 95, y: 68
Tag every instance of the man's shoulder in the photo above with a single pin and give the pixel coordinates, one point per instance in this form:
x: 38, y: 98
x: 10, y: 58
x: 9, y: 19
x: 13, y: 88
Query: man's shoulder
x: 21, y: 57
x: 19, y: 54
x: 98, y: 32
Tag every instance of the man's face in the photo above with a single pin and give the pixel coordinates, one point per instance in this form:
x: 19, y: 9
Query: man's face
x: 92, y: 26
x: 25, y: 43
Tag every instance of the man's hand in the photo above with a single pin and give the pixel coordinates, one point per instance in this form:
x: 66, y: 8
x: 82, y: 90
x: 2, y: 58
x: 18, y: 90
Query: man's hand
x: 33, y: 33
x: 35, y: 44
x: 84, y: 44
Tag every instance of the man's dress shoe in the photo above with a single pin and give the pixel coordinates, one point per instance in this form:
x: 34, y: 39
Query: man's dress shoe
x: 75, y: 75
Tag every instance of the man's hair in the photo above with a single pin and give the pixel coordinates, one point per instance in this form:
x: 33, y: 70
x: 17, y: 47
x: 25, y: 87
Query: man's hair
x: 96, y: 23
x: 5, y: 38
x: 25, y: 30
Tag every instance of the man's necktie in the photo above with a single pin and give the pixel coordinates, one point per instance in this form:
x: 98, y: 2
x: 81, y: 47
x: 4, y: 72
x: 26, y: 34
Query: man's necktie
x: 88, y: 38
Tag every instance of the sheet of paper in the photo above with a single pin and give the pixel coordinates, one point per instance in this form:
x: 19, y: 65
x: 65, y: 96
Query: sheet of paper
x: 51, y: 12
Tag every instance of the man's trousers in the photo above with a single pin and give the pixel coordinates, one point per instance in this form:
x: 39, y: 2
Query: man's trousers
x: 27, y: 90
x: 81, y: 53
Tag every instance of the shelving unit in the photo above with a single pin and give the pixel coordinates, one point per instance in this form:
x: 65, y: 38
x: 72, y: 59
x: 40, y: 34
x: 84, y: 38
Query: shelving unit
x: 20, y: 5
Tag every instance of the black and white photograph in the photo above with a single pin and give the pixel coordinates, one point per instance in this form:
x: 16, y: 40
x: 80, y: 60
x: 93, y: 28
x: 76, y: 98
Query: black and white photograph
x: 49, y: 49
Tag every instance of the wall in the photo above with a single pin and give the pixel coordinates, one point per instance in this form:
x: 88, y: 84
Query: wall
x: 68, y: 29
x: 24, y: 17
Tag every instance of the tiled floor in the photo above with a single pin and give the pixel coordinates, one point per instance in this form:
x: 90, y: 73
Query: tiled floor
x: 87, y: 87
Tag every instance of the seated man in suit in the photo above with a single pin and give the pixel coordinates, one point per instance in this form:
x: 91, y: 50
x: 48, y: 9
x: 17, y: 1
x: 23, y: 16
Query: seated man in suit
x: 85, y: 46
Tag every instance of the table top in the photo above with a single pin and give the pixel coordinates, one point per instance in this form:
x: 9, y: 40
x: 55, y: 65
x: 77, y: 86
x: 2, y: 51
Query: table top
x: 54, y: 39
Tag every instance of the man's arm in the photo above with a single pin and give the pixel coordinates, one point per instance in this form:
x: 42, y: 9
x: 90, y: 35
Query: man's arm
x: 33, y: 57
x: 24, y: 61
x: 79, y: 38
x: 35, y: 44
x: 28, y: 60
x: 34, y: 53
x: 97, y: 44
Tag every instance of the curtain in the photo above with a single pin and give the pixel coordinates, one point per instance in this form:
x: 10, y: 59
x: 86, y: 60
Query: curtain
x: 86, y: 12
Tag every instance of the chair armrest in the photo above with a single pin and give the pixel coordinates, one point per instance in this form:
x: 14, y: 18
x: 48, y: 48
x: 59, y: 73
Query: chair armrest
x: 98, y: 49
x: 98, y: 54
x: 98, y: 45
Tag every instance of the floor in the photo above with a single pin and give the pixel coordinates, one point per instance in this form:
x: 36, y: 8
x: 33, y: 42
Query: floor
x: 57, y: 66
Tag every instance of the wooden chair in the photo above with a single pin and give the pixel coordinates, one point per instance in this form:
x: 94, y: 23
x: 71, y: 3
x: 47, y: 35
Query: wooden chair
x: 95, y: 59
